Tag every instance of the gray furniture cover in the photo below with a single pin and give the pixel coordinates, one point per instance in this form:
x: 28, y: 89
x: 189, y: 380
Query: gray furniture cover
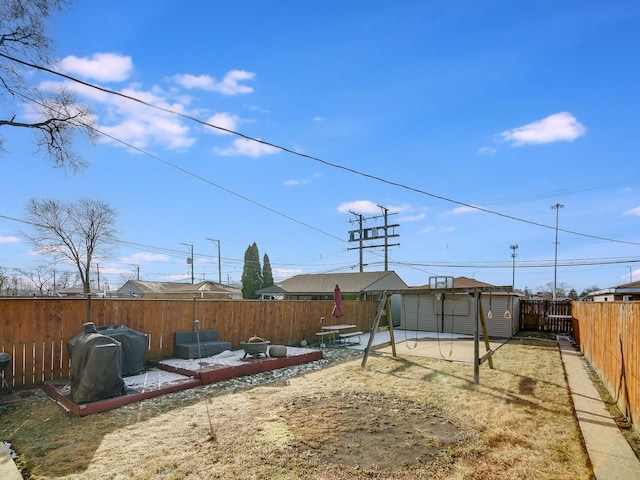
x: 133, y: 343
x: 95, y: 367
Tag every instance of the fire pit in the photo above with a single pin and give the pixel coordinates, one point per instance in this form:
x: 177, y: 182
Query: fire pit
x: 255, y: 346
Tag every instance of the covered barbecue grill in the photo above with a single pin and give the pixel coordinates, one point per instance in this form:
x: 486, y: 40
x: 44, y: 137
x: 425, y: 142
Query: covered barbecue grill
x: 5, y: 360
x: 134, y: 346
x: 96, y: 362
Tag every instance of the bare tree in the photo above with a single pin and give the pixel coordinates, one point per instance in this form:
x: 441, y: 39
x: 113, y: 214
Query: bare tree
x: 53, y: 116
x: 40, y: 276
x: 561, y: 290
x: 3, y: 279
x: 63, y: 280
x: 77, y: 231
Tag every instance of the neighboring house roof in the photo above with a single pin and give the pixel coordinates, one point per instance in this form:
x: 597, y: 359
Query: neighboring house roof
x: 632, y: 288
x: 465, y: 282
x: 349, y: 283
x: 272, y: 290
x: 139, y: 287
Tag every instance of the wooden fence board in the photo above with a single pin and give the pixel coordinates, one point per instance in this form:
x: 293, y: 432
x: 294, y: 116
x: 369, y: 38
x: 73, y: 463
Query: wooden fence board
x: 608, y: 337
x: 35, y: 331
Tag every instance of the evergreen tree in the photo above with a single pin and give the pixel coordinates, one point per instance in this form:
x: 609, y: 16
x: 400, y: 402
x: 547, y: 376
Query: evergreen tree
x: 251, y: 273
x: 267, y: 274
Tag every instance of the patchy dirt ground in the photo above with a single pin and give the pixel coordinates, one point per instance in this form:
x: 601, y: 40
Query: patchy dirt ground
x: 400, y: 418
x: 369, y: 430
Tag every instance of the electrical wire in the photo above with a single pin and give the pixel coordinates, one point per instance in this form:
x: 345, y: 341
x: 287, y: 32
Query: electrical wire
x: 310, y: 157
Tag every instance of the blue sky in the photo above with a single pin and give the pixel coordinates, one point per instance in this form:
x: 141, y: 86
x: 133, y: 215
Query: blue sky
x: 426, y: 108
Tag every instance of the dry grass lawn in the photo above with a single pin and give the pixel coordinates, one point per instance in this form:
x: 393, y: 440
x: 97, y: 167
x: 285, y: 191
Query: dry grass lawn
x: 399, y: 418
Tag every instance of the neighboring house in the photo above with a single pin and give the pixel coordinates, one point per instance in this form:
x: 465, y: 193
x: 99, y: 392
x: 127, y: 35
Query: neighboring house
x: 622, y: 293
x: 71, y: 292
x: 320, y: 286
x: 452, y: 310
x: 176, y: 290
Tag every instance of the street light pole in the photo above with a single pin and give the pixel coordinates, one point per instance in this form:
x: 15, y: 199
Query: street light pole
x: 217, y: 242
x: 557, y: 208
x: 190, y: 260
x: 514, y: 255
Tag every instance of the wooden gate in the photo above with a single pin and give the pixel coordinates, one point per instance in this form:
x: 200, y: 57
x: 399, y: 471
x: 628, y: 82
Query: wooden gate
x: 546, y: 316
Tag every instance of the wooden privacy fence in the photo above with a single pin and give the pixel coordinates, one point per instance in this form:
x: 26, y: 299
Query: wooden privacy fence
x: 546, y: 315
x: 608, y: 334
x: 35, y: 331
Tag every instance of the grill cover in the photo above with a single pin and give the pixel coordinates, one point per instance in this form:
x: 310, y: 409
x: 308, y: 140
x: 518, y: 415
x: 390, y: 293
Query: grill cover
x: 95, y: 368
x: 134, y: 346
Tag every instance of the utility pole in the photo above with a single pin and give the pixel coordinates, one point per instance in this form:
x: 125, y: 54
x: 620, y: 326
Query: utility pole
x: 385, y: 214
x: 557, y: 208
x: 514, y: 255
x: 190, y: 259
x: 359, y: 218
x: 373, y: 234
x: 217, y: 242
x: 137, y: 267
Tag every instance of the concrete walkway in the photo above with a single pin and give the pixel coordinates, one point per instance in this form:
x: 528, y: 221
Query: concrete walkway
x: 611, y: 456
x: 8, y: 469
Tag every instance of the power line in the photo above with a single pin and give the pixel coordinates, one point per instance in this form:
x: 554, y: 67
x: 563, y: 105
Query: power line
x: 310, y: 157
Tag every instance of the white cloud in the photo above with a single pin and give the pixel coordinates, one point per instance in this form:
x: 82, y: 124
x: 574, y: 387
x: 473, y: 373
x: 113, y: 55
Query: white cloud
x: 462, y: 210
x: 140, y: 131
x: 146, y: 257
x: 229, y: 85
x: 246, y: 147
x: 557, y: 127
x: 301, y: 181
x: 486, y: 151
x: 103, y: 67
x: 223, y: 120
x: 7, y: 240
x: 633, y: 211
x: 318, y: 119
x: 359, y: 206
x: 142, y: 126
x: 133, y: 122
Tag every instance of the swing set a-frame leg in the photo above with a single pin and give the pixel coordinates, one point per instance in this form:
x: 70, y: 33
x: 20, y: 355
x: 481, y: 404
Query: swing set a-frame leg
x: 485, y: 336
x: 382, y: 308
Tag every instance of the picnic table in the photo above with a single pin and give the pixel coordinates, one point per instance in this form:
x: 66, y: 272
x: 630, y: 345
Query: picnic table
x: 340, y: 334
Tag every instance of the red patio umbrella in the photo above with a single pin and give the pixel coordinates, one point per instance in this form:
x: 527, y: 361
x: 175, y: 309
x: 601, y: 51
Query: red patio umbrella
x: 337, y: 298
